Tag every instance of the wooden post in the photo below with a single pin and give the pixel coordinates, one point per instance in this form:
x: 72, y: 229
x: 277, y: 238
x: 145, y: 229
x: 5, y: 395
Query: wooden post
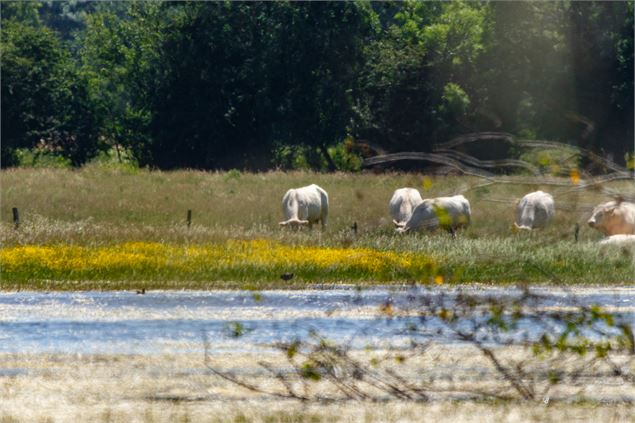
x: 576, y: 232
x: 189, y: 218
x: 16, y: 217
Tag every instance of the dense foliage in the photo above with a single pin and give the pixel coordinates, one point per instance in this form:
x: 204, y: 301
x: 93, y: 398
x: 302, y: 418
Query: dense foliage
x: 259, y: 84
x: 45, y: 100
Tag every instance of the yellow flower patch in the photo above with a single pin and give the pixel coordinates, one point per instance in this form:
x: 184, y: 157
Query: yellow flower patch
x: 232, y: 259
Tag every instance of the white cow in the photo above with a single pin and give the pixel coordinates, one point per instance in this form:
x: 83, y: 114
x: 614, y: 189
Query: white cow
x: 614, y: 217
x: 620, y: 240
x: 446, y: 212
x: 305, y: 206
x: 402, y: 203
x: 534, y: 210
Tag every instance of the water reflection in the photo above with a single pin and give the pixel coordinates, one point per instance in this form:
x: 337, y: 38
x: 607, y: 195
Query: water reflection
x: 173, y: 321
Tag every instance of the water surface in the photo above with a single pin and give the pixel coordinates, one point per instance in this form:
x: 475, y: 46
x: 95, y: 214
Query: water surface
x: 177, y: 321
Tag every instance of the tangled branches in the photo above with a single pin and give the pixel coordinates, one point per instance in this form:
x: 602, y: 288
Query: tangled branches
x: 517, y: 345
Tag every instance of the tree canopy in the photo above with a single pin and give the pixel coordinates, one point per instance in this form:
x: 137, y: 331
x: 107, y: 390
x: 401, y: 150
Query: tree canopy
x: 224, y: 84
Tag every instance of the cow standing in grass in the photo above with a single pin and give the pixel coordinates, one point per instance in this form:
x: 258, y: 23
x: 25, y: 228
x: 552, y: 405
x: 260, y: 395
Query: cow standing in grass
x: 402, y: 204
x: 535, y: 210
x: 613, y: 218
x: 305, y: 206
x: 446, y: 212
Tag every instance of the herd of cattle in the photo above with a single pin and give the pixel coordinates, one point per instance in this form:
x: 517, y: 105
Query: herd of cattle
x: 310, y: 204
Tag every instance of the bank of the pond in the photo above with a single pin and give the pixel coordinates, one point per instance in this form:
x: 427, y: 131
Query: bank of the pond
x: 177, y: 388
x: 267, y: 264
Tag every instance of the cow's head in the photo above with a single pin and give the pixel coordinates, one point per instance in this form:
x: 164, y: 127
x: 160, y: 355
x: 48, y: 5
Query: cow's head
x: 600, y: 215
x: 605, y: 217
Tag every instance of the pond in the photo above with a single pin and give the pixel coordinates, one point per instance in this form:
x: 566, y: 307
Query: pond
x: 178, y: 321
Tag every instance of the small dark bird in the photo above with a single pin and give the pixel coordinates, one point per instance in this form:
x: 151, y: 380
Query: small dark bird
x: 354, y: 228
x: 141, y: 291
x: 286, y: 276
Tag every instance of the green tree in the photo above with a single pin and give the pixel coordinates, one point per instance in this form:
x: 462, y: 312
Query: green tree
x: 416, y: 85
x: 43, y: 99
x: 208, y: 99
x: 224, y: 84
x: 561, y: 71
x: 118, y: 54
x: 601, y: 40
x: 553, y: 70
x: 320, y: 56
x: 233, y: 79
x: 525, y: 71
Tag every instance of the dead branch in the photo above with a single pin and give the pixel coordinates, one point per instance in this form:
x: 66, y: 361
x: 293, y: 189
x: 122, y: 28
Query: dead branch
x: 560, y: 351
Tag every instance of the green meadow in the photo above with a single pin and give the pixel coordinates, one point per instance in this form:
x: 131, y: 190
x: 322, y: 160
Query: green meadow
x: 77, y: 227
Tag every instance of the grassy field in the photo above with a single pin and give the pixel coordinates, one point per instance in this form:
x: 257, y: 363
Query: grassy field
x: 109, y: 228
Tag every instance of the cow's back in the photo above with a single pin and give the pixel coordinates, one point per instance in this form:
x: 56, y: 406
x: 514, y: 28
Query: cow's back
x: 290, y: 204
x: 402, y: 204
x: 535, y: 210
x: 457, y: 209
x: 623, y: 221
x: 305, y: 205
x: 318, y: 202
x: 448, y: 212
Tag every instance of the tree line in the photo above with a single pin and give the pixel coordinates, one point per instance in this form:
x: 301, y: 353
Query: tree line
x: 255, y: 85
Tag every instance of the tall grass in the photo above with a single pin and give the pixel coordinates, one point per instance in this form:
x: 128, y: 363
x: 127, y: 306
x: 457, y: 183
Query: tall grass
x: 100, y: 207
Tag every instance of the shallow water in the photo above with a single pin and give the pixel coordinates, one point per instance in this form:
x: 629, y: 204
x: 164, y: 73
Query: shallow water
x: 177, y: 321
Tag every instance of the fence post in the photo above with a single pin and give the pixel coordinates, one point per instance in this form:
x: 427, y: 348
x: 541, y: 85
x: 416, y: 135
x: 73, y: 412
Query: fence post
x: 576, y: 232
x: 189, y: 218
x: 16, y: 217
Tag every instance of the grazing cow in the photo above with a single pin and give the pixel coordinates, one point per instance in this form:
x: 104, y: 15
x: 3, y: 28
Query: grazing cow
x: 534, y: 211
x: 620, y: 240
x: 613, y: 218
x: 402, y: 203
x: 447, y: 212
x: 305, y: 206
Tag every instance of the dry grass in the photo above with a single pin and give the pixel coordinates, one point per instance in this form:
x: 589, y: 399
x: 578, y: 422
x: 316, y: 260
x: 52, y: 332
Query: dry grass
x: 95, y: 205
x: 69, y: 388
